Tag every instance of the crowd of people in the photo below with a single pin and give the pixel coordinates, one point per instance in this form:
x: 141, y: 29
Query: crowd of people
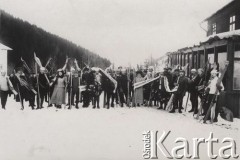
x: 122, y: 86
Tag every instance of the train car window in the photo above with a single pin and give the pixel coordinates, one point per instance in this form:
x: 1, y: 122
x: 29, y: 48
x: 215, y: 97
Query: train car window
x: 183, y: 60
x: 236, y: 71
x: 195, y: 61
x: 202, y: 60
x: 190, y: 61
x: 222, y: 57
x: 232, y: 23
x: 186, y: 59
x: 237, y: 54
x: 211, y: 58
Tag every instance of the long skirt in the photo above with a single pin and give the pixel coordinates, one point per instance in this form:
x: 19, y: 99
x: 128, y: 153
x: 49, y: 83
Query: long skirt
x: 58, y: 96
x: 139, y: 95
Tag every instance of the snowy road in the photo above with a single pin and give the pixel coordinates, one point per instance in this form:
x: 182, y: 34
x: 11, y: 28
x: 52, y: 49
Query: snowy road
x: 89, y: 134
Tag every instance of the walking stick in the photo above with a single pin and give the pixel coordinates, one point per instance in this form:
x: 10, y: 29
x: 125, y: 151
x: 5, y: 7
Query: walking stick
x: 209, y: 110
x: 20, y: 97
x: 170, y: 103
x: 48, y: 92
x: 70, y: 94
x: 38, y: 91
x: 150, y: 96
x: 128, y: 87
x: 204, y: 95
x: 104, y: 98
x: 133, y: 94
x: 79, y: 88
x: 120, y: 103
x: 187, y: 102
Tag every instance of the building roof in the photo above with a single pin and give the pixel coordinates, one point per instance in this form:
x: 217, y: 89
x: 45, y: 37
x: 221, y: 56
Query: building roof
x: 224, y: 35
x: 208, y: 40
x: 218, y: 11
x: 3, y: 47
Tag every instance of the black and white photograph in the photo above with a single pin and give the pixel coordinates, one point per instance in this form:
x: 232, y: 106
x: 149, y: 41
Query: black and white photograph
x: 119, y: 79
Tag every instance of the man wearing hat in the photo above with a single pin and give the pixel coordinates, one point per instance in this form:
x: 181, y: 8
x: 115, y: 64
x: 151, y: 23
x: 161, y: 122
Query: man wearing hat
x: 120, y: 91
x: 124, y: 84
x: 43, y: 84
x: 131, y: 81
x: 181, y: 85
x: 23, y: 87
x: 194, y: 81
x: 85, y: 81
x: 73, y: 86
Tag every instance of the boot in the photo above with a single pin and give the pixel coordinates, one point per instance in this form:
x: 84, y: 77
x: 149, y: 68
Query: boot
x: 191, y: 110
x: 161, y: 107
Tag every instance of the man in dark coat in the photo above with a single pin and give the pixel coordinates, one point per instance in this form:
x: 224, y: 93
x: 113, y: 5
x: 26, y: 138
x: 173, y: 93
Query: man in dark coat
x: 120, y: 86
x: 43, y: 84
x: 73, y: 88
x: 131, y: 81
x: 24, y: 88
x: 124, y: 84
x: 194, y: 81
x: 85, y: 81
x: 74, y: 81
x: 181, y: 84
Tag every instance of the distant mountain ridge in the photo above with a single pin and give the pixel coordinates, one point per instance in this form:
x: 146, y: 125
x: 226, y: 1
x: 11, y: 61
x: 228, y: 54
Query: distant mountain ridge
x: 25, y: 39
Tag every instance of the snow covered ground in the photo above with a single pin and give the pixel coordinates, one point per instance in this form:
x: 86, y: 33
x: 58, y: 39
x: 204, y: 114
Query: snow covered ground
x: 98, y: 134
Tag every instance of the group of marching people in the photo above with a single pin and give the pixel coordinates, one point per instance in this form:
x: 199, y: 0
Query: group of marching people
x: 123, y: 87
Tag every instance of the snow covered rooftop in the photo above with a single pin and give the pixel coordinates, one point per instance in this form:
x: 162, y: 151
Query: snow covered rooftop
x: 223, y: 35
x: 3, y: 47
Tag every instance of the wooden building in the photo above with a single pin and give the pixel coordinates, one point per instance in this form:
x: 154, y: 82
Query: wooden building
x: 4, y: 57
x: 222, y: 43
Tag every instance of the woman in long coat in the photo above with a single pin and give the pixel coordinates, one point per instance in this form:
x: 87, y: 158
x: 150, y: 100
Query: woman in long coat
x: 139, y: 91
x: 59, y: 92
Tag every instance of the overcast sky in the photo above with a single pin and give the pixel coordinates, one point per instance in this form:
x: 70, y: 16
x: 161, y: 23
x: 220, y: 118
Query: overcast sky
x: 124, y: 31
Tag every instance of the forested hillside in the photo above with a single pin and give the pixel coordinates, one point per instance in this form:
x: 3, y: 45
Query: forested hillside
x: 25, y: 39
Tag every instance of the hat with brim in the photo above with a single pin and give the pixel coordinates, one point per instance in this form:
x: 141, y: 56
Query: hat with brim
x: 193, y: 70
x: 214, y: 71
x: 139, y: 72
x: 19, y: 69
